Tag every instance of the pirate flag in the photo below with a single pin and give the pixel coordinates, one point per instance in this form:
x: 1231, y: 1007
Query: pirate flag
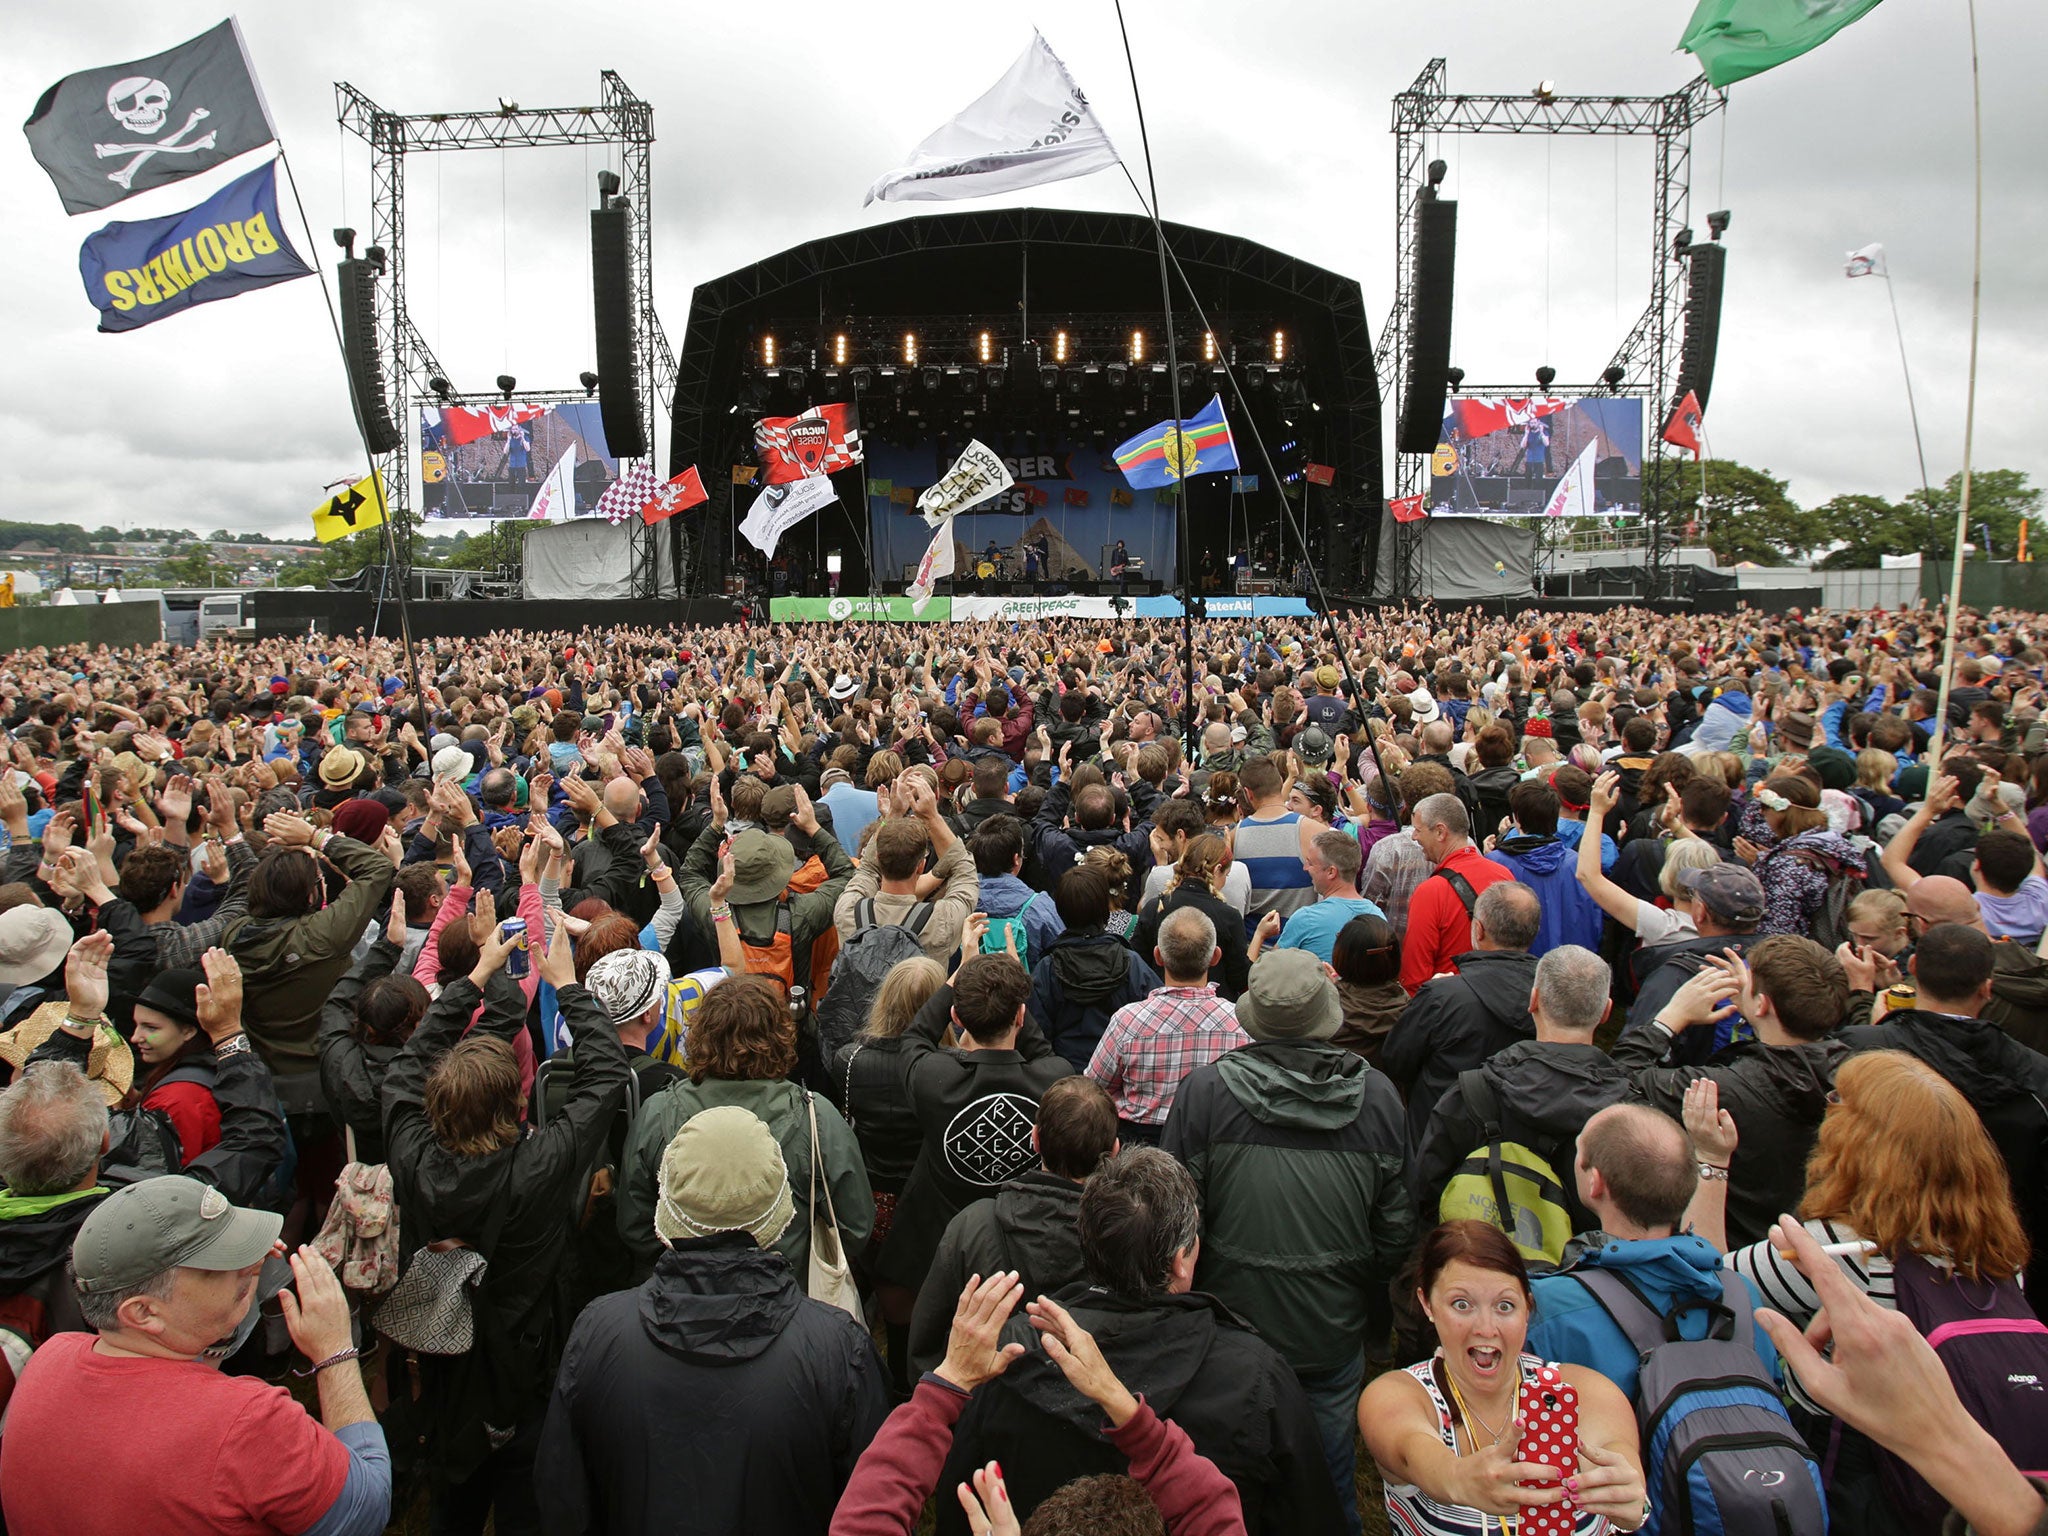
x: 351, y: 511
x: 105, y: 134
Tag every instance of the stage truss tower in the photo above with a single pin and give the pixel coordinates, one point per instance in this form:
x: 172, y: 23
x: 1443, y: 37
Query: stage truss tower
x: 620, y: 119
x: 1648, y: 356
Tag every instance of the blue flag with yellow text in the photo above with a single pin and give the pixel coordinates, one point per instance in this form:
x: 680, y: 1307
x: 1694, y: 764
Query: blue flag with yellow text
x: 234, y: 241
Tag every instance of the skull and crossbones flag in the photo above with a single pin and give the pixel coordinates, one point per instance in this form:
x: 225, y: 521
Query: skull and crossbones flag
x: 105, y: 134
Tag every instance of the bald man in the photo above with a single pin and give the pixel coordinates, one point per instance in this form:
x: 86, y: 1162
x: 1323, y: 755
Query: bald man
x: 2019, y: 977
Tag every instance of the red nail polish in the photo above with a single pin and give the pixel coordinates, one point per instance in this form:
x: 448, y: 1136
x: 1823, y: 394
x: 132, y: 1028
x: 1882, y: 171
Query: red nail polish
x: 999, y: 1469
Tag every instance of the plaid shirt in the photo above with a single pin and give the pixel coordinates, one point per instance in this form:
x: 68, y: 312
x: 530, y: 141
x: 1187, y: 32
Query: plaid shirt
x: 1150, y: 1047
x: 1396, y: 867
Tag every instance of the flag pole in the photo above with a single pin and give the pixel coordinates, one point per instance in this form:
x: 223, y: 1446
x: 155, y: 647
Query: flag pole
x: 391, y: 566
x: 1955, y: 584
x: 1912, y: 410
x: 1180, y: 479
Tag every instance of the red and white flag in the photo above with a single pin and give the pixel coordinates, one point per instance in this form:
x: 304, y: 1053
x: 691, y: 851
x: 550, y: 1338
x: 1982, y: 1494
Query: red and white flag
x: 1477, y: 418
x: 823, y: 439
x: 468, y: 424
x: 679, y: 495
x: 1683, y: 429
x: 1408, y: 509
x: 625, y: 496
x: 1319, y: 474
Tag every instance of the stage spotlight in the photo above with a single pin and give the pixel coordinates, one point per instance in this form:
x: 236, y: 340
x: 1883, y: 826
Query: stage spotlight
x: 1437, y: 171
x: 1545, y: 92
x: 1613, y: 376
x: 1049, y: 377
x: 1279, y: 346
x: 1187, y: 377
x: 1255, y: 375
x: 1137, y: 337
x: 861, y: 378
x: 910, y: 349
x: 1455, y: 377
x: 1717, y: 223
x: 1117, y: 374
x: 931, y: 377
x: 993, y: 378
x: 506, y: 384
x: 1059, y: 346
x: 1544, y: 376
x: 767, y: 351
x: 1208, y: 346
x: 988, y: 347
x: 965, y: 380
x: 841, y: 349
x: 589, y: 382
x: 441, y: 387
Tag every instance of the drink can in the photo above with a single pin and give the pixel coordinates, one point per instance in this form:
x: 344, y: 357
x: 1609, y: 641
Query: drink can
x: 1902, y: 994
x: 518, y: 963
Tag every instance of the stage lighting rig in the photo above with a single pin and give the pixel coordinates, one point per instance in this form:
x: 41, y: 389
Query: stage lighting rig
x: 506, y: 384
x: 986, y: 343
x: 931, y: 378
x: 862, y: 379
x: 841, y: 350
x: 1117, y: 374
x: 346, y: 239
x: 1437, y: 172
x: 1208, y: 346
x: 768, y: 351
x: 1681, y: 243
x: 1612, y: 377
x: 1545, y: 92
x: 1455, y: 377
x: 1545, y: 376
x: 589, y: 382
x: 1137, y: 339
x: 1279, y: 346
x: 910, y: 349
x: 1059, y: 346
x: 1717, y: 223
x: 442, y: 389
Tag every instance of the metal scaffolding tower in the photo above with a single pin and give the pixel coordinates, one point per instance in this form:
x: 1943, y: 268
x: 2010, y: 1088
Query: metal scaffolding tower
x: 620, y: 119
x: 1648, y: 356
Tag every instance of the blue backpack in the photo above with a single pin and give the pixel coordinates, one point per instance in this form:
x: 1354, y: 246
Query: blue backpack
x: 997, y: 940
x: 1720, y: 1455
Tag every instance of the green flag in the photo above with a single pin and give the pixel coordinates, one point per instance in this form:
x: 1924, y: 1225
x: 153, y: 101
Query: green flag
x: 1734, y: 39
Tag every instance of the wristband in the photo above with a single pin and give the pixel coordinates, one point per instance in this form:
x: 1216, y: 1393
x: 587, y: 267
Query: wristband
x: 88, y: 1026
x: 339, y: 1357
x: 1713, y: 1171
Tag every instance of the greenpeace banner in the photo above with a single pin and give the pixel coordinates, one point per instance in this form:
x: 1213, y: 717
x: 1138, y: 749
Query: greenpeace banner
x: 841, y: 610
x: 1025, y: 609
x: 140, y: 271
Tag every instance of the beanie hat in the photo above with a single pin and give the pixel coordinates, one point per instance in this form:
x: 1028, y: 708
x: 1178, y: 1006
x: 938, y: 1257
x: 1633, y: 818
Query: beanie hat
x: 363, y: 820
x: 627, y: 982
x: 723, y: 1172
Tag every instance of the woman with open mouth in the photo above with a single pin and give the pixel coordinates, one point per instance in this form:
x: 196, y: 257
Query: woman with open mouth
x: 1448, y: 1434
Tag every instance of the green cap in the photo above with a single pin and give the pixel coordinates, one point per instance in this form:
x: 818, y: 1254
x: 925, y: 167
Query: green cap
x: 167, y: 1223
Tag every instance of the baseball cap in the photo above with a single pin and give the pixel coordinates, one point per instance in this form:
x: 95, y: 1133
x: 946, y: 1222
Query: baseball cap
x: 1731, y: 892
x: 167, y: 1223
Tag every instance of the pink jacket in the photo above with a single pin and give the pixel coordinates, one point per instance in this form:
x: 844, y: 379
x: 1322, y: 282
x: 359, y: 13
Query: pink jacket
x: 427, y: 969
x: 896, y: 1473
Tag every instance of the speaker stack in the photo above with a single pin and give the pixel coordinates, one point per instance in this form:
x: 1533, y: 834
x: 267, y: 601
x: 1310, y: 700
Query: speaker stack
x: 1429, y: 325
x: 611, y: 283
x: 358, y: 283
x: 1709, y: 269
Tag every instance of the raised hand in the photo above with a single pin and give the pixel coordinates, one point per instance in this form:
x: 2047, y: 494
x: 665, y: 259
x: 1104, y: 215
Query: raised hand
x: 219, y: 997
x: 85, y: 975
x: 974, y: 1351
x: 1711, y: 1127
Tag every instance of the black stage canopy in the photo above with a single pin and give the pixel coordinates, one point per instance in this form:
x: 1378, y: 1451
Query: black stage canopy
x: 839, y: 308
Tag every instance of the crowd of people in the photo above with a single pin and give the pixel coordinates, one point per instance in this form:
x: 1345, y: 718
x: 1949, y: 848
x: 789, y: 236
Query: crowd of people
x: 1587, y: 1068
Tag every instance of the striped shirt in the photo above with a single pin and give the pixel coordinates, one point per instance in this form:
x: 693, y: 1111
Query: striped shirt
x: 1411, y: 1512
x: 1270, y: 851
x: 1151, y: 1046
x: 1786, y: 1290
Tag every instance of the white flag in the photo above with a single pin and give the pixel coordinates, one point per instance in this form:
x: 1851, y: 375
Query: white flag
x: 1868, y: 262
x: 1033, y: 126
x: 782, y: 507
x: 557, y: 494
x: 937, y: 562
x: 1574, y: 494
x: 976, y: 475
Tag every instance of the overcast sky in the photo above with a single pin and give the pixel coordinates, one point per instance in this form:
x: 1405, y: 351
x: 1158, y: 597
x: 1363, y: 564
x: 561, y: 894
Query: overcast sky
x: 1267, y: 120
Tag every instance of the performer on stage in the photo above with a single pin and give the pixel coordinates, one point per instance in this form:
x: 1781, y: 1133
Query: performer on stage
x: 1120, y: 562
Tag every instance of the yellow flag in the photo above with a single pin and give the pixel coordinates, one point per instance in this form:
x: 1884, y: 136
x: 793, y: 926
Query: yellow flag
x: 351, y: 511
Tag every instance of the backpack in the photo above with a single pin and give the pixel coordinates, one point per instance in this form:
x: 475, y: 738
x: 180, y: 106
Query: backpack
x: 1996, y: 1353
x: 1719, y: 1451
x: 1000, y: 929
x: 857, y: 974
x: 1829, y: 926
x: 1507, y: 1185
x: 142, y: 1143
x: 24, y: 1324
x: 780, y: 956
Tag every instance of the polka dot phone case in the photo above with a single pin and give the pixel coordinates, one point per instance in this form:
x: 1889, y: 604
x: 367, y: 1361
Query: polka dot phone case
x: 1549, y: 1410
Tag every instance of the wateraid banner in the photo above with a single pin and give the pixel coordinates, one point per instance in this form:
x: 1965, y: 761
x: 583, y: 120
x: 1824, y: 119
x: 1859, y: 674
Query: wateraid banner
x: 1227, y: 607
x: 841, y: 610
x: 144, y: 270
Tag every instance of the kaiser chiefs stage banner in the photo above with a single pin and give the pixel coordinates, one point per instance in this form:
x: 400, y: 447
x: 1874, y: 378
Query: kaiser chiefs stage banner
x: 152, y: 268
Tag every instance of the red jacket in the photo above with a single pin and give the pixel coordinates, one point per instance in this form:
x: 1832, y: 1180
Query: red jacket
x: 896, y: 1472
x: 1017, y: 729
x: 1439, y: 927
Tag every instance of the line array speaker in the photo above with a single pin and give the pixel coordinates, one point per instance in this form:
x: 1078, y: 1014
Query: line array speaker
x: 612, y: 300
x: 358, y: 283
x: 1702, y: 321
x: 1429, y: 325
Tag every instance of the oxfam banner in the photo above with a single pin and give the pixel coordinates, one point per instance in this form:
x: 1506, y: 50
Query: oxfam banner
x: 838, y: 610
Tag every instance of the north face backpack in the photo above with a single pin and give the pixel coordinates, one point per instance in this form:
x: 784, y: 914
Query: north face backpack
x: 1000, y: 928
x: 1719, y: 1451
x: 857, y: 974
x: 1507, y: 1185
x: 1996, y: 1353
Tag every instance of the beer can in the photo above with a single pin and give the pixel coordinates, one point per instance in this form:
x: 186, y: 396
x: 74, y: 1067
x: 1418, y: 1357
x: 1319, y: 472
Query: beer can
x: 518, y: 963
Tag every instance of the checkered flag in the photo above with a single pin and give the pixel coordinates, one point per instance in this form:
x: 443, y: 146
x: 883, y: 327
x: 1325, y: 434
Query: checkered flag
x: 625, y: 496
